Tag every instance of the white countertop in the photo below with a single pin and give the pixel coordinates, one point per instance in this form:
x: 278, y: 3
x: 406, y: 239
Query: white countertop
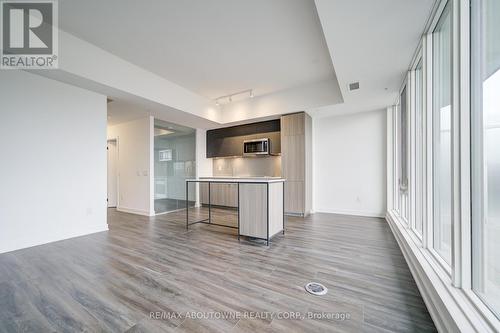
x: 237, y: 179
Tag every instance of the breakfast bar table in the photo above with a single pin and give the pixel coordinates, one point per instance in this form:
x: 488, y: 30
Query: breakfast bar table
x: 260, y: 205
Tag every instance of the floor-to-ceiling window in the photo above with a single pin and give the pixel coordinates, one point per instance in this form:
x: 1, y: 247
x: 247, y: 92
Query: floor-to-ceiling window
x: 454, y: 116
x: 486, y: 151
x: 174, y: 162
x: 403, y: 181
x: 419, y: 133
x: 403, y: 154
x: 442, y: 120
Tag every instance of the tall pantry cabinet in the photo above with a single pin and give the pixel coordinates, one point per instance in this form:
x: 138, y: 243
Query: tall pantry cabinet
x: 296, y: 162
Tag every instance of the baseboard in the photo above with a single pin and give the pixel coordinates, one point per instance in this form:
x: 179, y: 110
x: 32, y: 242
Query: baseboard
x: 349, y: 212
x: 171, y: 211
x: 295, y: 214
x: 21, y: 244
x: 133, y: 211
x: 449, y: 307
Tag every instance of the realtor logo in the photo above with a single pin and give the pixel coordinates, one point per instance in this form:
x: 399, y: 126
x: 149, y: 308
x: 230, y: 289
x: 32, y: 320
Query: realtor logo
x: 29, y: 34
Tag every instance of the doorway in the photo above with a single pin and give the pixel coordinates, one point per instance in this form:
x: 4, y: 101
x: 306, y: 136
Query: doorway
x: 112, y: 151
x: 174, y: 162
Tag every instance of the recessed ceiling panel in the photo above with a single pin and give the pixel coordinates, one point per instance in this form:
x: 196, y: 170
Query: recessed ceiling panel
x: 214, y: 47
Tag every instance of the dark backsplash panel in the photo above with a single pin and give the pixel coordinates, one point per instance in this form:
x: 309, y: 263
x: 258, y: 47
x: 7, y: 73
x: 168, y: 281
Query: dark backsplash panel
x: 228, y: 141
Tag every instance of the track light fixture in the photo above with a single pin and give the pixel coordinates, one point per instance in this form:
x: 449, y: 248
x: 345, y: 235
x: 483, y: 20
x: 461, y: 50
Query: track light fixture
x: 230, y: 96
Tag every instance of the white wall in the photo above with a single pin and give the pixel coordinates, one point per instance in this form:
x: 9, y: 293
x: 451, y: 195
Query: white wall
x: 53, y: 165
x: 349, y: 164
x: 135, y: 165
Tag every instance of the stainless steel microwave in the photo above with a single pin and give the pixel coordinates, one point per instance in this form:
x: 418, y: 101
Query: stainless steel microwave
x: 256, y: 147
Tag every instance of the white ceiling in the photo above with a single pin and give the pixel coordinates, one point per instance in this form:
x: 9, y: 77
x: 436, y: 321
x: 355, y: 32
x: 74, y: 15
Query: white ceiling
x: 371, y: 42
x: 219, y: 47
x: 212, y: 48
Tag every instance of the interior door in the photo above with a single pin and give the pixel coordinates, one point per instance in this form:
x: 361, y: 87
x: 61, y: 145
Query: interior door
x: 112, y: 173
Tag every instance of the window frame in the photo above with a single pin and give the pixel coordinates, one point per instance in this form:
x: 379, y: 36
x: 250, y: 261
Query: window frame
x: 162, y: 157
x: 404, y: 189
x: 476, y: 193
x: 417, y: 137
x: 404, y: 129
x: 452, y: 282
x: 429, y: 237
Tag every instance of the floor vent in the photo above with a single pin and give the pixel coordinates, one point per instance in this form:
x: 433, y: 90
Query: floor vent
x: 316, y: 288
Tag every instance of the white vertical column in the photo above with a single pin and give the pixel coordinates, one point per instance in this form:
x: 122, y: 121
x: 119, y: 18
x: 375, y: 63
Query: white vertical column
x: 151, y: 172
x: 204, y: 167
x: 390, y: 158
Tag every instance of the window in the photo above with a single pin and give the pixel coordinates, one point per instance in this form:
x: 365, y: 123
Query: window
x: 403, y: 181
x: 419, y: 113
x: 486, y: 151
x: 165, y: 155
x: 441, y: 134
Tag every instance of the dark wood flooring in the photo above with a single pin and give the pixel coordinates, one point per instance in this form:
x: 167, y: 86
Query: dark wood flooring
x: 204, y: 280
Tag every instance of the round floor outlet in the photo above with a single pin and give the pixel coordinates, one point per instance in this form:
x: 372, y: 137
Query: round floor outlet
x: 316, y: 288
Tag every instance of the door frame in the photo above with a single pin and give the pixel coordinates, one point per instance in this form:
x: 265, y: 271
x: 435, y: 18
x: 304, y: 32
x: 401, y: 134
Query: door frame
x: 115, y: 139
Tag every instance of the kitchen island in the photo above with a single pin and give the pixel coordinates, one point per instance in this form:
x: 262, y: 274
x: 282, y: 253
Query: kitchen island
x: 260, y: 205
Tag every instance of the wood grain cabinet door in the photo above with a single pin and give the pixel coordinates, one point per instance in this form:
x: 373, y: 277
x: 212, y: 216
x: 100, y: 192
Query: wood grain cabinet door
x: 293, y: 124
x: 253, y: 210
x: 296, y: 161
x: 220, y: 194
x: 294, y: 197
x: 232, y: 195
x: 293, y: 157
x: 217, y: 194
x: 204, y: 193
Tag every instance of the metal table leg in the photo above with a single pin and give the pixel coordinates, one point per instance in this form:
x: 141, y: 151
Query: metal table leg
x: 187, y: 206
x: 267, y: 214
x: 238, y: 212
x: 209, y: 204
x: 283, y: 186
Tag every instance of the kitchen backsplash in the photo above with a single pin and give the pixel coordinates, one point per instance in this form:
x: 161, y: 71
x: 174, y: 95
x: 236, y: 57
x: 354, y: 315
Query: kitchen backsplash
x: 269, y: 166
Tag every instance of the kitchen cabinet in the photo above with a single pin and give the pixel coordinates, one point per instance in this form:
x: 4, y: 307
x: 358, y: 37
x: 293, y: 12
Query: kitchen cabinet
x: 220, y: 195
x: 294, y: 197
x: 293, y: 124
x: 292, y: 161
x: 296, y: 166
x: 228, y: 141
x: 261, y: 209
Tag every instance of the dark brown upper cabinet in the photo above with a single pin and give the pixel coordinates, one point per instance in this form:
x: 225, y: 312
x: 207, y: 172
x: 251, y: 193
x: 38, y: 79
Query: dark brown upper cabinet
x: 228, y: 141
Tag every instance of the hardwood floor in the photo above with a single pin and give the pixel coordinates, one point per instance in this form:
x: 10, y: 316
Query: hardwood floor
x: 168, y: 205
x: 152, y: 267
